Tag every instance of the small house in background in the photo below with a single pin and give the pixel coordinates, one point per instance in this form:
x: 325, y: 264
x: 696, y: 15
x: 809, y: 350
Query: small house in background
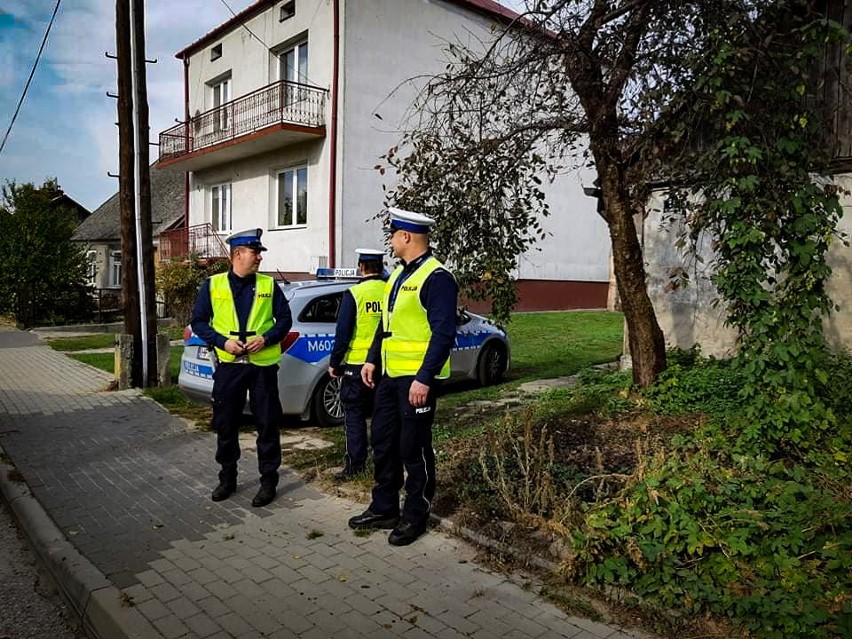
x: 62, y: 199
x: 100, y: 233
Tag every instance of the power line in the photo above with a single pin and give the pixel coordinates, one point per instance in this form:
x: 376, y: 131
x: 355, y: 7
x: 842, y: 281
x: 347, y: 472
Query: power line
x: 32, y: 73
x: 245, y: 26
x: 256, y: 37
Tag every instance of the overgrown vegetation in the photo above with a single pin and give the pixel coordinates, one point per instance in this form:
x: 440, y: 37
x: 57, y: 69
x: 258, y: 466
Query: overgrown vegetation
x: 766, y: 198
x: 645, y: 491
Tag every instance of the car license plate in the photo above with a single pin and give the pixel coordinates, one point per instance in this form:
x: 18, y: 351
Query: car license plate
x: 203, y: 354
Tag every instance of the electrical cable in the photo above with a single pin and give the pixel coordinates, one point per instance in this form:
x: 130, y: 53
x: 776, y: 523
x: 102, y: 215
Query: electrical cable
x: 32, y: 73
x: 256, y: 37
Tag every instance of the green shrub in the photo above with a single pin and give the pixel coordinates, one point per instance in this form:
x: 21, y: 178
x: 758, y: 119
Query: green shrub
x: 178, y: 283
x: 767, y: 545
x: 692, y: 384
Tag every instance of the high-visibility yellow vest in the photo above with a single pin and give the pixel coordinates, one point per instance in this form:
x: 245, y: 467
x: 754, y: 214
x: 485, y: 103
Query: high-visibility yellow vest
x: 225, y: 321
x: 407, y: 331
x: 368, y: 303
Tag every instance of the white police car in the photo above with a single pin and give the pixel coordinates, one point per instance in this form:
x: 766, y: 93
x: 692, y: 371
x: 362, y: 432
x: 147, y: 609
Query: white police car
x: 481, y: 351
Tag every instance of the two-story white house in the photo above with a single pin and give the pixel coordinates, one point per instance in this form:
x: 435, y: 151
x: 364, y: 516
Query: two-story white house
x: 290, y: 104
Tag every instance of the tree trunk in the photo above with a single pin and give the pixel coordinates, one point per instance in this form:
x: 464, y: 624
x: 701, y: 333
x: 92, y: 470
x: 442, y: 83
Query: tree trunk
x: 644, y: 336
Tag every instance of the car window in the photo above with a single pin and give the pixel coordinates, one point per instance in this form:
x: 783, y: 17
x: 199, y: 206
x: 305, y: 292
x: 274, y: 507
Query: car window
x: 322, y: 309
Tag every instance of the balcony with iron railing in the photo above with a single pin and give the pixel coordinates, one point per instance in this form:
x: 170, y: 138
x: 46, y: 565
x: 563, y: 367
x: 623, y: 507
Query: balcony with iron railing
x: 276, y: 115
x: 200, y: 240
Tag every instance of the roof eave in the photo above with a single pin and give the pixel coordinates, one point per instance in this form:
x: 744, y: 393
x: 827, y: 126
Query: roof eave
x: 487, y: 7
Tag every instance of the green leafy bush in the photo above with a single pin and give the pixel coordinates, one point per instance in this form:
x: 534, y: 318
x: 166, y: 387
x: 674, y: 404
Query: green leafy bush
x: 692, y: 384
x: 178, y: 283
x: 765, y: 544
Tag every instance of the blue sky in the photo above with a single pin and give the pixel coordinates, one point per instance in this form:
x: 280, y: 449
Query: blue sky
x: 66, y: 126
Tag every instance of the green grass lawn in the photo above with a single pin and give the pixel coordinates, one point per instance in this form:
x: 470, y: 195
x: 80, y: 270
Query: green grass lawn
x: 106, y: 361
x: 99, y: 340
x: 546, y: 345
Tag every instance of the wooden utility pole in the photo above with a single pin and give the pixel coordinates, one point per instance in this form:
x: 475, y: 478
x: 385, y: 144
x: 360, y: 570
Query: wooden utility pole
x: 137, y: 262
x: 145, y: 239
x: 127, y: 189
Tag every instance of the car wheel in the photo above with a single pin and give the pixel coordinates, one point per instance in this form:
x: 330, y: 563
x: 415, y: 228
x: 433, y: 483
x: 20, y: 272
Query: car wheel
x: 492, y: 364
x: 328, y: 409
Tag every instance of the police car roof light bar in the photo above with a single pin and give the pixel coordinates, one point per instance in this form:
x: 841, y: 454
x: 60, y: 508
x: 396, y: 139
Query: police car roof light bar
x: 337, y: 273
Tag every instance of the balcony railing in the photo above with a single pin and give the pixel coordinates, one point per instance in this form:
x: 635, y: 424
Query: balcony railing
x: 278, y: 103
x: 200, y: 240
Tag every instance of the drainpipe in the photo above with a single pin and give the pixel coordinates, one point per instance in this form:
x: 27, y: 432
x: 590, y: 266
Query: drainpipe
x: 186, y: 137
x: 332, y: 173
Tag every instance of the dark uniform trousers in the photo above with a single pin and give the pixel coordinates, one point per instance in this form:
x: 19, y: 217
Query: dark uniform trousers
x: 402, y: 439
x: 231, y: 382
x: 357, y: 402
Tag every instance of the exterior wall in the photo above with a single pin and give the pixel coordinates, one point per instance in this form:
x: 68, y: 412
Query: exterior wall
x: 838, y: 328
x: 383, y: 48
x: 253, y: 195
x: 689, y: 316
x: 251, y: 65
x: 253, y: 180
x: 550, y: 295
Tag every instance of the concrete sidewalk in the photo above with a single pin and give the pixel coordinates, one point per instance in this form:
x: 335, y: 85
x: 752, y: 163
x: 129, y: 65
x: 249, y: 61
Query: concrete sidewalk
x: 114, y: 494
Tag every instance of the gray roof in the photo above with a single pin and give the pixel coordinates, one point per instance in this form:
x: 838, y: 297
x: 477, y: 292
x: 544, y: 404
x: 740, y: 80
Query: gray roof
x: 167, y: 203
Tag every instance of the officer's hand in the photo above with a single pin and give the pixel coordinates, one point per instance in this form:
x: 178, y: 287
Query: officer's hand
x: 367, y: 371
x: 255, y: 344
x: 235, y: 347
x: 417, y: 394
x: 331, y: 372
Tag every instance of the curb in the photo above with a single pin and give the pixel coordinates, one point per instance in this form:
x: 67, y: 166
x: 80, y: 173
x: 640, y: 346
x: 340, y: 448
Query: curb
x: 97, y: 604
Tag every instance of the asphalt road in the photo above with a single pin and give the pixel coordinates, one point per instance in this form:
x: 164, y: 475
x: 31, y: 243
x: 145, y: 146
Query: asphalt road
x: 30, y: 607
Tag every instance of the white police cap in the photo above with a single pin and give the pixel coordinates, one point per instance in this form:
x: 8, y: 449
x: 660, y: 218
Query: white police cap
x: 370, y: 255
x: 248, y: 237
x: 409, y: 221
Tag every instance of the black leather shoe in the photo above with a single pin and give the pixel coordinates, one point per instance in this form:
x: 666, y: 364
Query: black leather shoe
x: 369, y: 519
x: 224, y: 490
x: 264, y: 496
x: 348, y: 473
x: 406, y: 533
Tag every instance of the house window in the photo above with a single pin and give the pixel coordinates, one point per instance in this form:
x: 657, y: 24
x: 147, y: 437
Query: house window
x: 288, y: 10
x: 115, y: 268
x: 220, y: 94
x: 216, y: 52
x: 91, y: 268
x: 220, y: 207
x: 293, y: 64
x: 292, y: 197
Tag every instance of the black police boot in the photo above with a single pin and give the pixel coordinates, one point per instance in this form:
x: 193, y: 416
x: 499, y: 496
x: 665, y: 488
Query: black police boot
x: 224, y: 490
x: 348, y: 472
x: 264, y: 496
x: 369, y: 519
x: 406, y: 533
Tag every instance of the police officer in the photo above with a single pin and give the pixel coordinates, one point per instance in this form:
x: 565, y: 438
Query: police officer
x: 359, y: 316
x: 244, y: 315
x: 413, y: 346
